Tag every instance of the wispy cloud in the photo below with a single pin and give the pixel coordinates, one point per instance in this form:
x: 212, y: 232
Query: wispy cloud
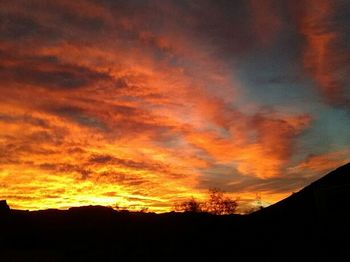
x: 326, y: 56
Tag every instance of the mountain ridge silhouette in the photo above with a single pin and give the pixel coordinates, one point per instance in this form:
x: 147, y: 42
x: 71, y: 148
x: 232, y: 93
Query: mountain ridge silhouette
x: 310, y: 225
x: 310, y: 195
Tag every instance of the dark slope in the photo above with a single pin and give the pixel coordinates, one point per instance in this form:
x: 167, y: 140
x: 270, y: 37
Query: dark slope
x: 313, y: 223
x: 102, y: 234
x: 323, y: 199
x: 310, y: 225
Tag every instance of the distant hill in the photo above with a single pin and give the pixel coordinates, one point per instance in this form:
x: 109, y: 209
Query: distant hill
x: 326, y: 198
x: 310, y: 225
x: 316, y: 219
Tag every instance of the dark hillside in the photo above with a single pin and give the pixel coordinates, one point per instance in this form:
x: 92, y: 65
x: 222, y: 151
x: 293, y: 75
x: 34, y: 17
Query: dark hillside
x: 310, y: 225
x: 315, y: 220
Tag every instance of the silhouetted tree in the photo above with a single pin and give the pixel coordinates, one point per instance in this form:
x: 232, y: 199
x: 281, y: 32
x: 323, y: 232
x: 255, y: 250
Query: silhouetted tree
x: 219, y: 204
x: 256, y: 205
x: 143, y: 209
x: 190, y: 205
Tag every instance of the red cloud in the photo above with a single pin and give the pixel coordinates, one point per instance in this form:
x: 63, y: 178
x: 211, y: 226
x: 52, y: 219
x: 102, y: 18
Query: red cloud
x: 324, y: 57
x: 323, y: 163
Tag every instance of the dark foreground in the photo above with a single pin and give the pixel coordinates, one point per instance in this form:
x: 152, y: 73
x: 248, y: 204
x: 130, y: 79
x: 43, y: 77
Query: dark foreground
x: 311, y: 225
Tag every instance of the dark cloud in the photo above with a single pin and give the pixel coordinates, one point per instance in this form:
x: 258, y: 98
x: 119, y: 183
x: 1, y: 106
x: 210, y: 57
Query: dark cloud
x: 24, y: 119
x: 69, y: 19
x: 50, y: 22
x: 80, y: 116
x: 122, y: 179
x: 111, y: 160
x: 101, y: 159
x: 53, y: 137
x: 218, y: 24
x: 67, y: 168
x: 14, y: 148
x: 75, y: 150
x: 16, y: 27
x: 232, y: 181
x: 221, y: 23
x: 48, y: 72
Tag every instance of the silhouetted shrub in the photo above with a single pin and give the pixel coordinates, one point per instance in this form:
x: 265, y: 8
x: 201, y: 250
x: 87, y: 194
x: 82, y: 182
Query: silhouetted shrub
x: 141, y: 209
x: 190, y: 205
x: 217, y: 204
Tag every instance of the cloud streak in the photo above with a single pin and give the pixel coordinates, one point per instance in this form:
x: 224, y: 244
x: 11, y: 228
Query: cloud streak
x: 325, y: 55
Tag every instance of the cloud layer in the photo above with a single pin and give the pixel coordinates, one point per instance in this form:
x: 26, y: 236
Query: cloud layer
x: 144, y: 103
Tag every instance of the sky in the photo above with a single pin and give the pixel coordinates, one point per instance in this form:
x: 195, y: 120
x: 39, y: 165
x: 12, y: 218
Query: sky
x: 144, y: 103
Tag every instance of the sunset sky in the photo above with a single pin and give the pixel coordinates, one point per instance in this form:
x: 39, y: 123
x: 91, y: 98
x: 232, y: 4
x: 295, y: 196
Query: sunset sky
x: 147, y: 102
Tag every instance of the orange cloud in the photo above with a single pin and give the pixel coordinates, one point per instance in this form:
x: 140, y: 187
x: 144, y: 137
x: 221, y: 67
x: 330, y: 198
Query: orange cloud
x: 323, y: 163
x: 100, y: 108
x: 262, y: 137
x: 324, y: 57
